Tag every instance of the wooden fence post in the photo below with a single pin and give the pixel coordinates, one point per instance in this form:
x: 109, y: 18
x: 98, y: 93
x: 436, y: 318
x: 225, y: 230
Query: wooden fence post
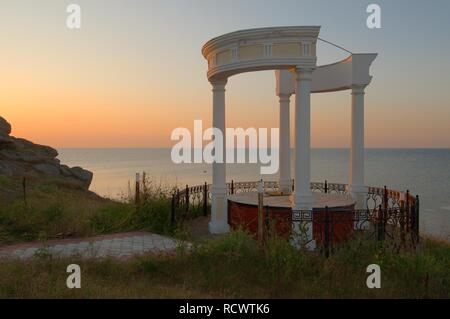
x: 137, y: 189
x: 187, y: 198
x: 380, y: 224
x: 403, y: 212
x: 327, y: 233
x: 408, y: 205
x: 416, y: 220
x: 144, y: 187
x: 260, y: 211
x: 172, y: 211
x: 205, y: 199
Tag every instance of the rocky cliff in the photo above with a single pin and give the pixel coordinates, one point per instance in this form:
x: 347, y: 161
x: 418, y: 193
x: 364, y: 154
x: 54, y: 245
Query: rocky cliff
x: 21, y: 158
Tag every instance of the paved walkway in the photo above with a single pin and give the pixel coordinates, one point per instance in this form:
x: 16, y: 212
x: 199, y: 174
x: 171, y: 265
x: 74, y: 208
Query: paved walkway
x: 117, y: 245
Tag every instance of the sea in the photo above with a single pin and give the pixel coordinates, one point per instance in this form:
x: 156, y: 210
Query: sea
x: 425, y: 172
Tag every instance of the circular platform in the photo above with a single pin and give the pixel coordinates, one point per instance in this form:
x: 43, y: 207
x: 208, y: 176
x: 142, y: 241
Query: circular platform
x: 243, y: 213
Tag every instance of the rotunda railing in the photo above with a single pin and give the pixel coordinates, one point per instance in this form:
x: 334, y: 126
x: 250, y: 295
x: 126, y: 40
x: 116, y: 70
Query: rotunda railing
x: 389, y: 214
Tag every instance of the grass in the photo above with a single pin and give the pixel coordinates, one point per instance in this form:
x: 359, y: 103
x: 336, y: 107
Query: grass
x: 4, y: 181
x: 231, y: 266
x: 235, y: 266
x: 51, y: 211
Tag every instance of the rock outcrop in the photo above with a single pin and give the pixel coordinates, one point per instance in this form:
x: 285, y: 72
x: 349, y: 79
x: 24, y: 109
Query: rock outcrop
x: 22, y: 158
x: 5, y: 127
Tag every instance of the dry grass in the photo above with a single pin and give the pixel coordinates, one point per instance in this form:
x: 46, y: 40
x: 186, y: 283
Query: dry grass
x: 52, y: 211
x: 234, y: 266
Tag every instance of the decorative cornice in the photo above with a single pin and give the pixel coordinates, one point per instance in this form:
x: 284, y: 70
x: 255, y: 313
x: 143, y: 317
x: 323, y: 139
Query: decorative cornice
x: 230, y: 69
x: 297, y: 32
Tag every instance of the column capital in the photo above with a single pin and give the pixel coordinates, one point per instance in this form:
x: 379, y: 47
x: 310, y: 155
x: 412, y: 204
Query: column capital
x: 303, y: 74
x: 218, y: 84
x: 358, y: 89
x: 284, y: 97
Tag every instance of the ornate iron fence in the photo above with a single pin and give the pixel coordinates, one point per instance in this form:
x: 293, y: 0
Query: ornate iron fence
x: 190, y: 202
x: 397, y: 228
x: 245, y: 187
x: 390, y: 215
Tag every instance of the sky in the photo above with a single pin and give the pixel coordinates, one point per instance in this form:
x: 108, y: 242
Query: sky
x: 134, y: 71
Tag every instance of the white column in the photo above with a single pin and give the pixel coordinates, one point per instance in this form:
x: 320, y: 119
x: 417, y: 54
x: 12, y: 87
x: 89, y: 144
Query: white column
x: 303, y: 198
x: 219, y: 213
x: 285, y: 180
x: 356, y: 170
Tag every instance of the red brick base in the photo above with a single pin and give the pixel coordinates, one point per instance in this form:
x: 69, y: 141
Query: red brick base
x: 245, y: 216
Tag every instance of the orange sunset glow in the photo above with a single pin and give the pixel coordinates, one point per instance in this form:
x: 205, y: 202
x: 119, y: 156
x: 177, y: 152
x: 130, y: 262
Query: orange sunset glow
x: 124, y: 85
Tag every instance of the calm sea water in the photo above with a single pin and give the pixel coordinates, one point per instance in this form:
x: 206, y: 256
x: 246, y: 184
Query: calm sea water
x: 423, y: 171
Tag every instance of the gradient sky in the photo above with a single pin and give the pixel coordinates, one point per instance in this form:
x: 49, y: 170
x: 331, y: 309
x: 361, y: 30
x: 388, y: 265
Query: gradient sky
x: 135, y: 71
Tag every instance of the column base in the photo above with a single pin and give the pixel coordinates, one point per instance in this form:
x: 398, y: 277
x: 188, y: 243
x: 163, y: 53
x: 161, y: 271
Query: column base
x: 219, y: 211
x: 218, y: 227
x: 286, y: 186
x: 303, y: 231
x: 302, y: 235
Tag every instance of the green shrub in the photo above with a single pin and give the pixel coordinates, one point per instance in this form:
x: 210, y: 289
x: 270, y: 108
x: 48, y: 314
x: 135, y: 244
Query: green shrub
x: 155, y: 214
x: 31, y: 222
x: 113, y: 218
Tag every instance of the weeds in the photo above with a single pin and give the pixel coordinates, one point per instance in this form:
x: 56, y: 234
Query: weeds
x: 235, y: 266
x: 231, y: 266
x: 53, y: 212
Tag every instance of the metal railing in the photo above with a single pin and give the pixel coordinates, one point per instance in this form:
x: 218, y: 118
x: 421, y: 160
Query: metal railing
x: 389, y: 215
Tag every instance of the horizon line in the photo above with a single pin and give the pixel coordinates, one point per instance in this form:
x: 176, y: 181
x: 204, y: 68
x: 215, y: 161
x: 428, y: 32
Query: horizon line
x: 292, y: 148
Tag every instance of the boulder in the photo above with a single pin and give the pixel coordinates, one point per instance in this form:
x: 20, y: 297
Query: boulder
x: 20, y: 157
x: 5, y: 139
x: 9, y: 168
x: 47, y: 169
x: 5, y: 127
x: 38, y: 150
x: 65, y: 170
x: 15, y: 155
x: 82, y: 174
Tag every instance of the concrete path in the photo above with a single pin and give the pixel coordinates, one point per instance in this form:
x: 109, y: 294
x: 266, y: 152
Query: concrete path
x: 117, y: 245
